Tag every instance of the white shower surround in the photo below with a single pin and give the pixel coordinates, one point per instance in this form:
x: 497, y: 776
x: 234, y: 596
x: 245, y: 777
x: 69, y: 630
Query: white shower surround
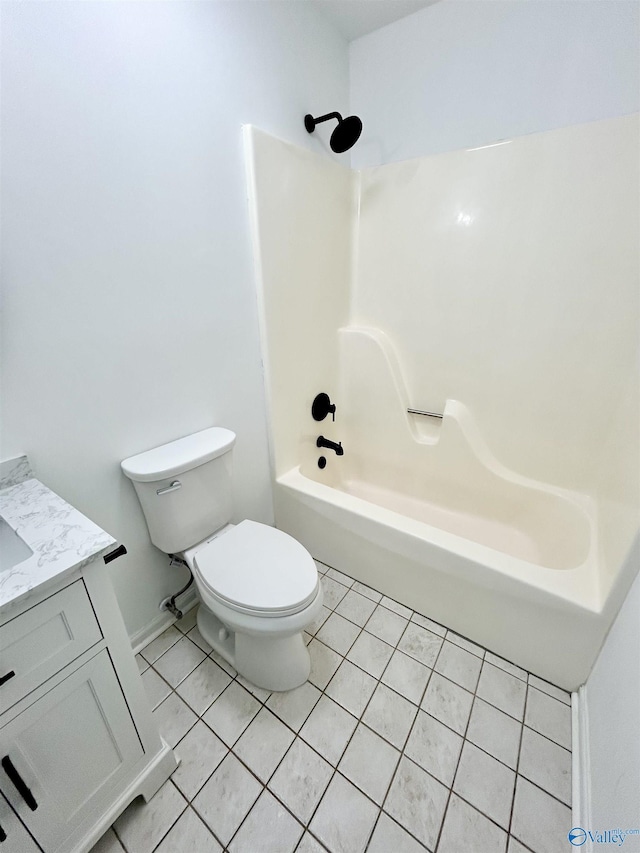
x: 509, y: 529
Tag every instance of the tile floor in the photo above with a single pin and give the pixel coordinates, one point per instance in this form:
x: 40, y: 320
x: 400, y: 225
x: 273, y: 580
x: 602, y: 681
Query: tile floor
x: 406, y: 738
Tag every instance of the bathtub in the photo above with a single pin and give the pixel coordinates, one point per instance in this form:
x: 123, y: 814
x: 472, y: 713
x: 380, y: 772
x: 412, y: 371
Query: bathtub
x: 442, y: 527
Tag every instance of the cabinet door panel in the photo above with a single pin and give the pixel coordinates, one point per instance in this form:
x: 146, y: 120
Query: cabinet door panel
x: 70, y: 747
x: 16, y: 837
x: 41, y: 641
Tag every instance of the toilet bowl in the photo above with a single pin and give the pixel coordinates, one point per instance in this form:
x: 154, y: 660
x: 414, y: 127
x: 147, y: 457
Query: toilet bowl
x: 259, y: 588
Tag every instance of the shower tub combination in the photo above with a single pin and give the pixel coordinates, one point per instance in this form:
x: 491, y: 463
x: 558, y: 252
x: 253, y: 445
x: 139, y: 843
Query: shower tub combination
x: 420, y: 507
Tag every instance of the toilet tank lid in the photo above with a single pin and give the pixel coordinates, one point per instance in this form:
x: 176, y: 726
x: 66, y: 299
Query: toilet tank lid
x: 179, y: 456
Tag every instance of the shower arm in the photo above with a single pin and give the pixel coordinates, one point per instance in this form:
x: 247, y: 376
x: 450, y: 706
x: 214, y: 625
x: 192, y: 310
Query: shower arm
x: 327, y: 117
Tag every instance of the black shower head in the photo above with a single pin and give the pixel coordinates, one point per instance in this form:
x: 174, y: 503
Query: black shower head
x: 344, y: 136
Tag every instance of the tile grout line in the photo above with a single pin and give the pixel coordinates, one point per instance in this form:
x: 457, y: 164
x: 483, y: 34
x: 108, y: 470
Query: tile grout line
x: 515, y: 784
x: 359, y: 719
x: 453, y: 779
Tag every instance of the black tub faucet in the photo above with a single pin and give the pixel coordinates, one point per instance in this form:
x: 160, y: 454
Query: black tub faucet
x: 330, y: 445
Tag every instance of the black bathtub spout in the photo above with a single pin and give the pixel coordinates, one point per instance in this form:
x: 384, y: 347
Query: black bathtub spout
x: 330, y: 445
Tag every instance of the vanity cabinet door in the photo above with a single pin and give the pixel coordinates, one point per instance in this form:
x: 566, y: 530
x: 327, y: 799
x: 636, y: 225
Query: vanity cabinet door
x: 14, y: 838
x: 62, y: 757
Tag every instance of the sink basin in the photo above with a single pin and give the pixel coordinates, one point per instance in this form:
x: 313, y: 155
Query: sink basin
x: 13, y: 549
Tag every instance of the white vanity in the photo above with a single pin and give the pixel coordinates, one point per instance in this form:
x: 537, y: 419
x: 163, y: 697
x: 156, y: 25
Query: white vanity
x: 77, y: 739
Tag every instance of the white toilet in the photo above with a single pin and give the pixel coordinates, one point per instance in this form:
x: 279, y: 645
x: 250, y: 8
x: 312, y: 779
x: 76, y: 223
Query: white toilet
x: 259, y: 587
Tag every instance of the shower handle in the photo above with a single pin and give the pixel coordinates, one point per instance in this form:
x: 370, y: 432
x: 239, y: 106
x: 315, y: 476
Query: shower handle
x: 321, y: 407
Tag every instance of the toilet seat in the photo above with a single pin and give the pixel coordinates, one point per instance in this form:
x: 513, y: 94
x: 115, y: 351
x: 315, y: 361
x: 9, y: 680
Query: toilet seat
x: 257, y: 570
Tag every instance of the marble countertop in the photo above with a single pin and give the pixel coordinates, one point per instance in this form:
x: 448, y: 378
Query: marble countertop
x: 62, y: 538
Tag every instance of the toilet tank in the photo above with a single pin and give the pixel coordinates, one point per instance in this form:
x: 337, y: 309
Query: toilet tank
x: 185, y: 487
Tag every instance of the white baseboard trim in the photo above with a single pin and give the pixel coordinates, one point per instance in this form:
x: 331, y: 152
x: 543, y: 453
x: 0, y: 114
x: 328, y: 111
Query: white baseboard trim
x: 162, y: 621
x: 580, y: 763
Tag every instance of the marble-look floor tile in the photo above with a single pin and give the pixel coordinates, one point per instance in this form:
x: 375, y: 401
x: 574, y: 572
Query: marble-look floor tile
x: 448, y: 702
x: 155, y: 687
x: 390, y: 715
x: 351, y: 687
x: 333, y: 591
x: 200, y: 751
x: 335, y: 575
x: 386, y: 625
x: 355, y: 607
x: 180, y: 660
x: 231, y: 713
x: 459, y: 665
x: 417, y: 801
x: 398, y: 608
x: 370, y: 654
x: 465, y: 826
x: 268, y: 827
x: 324, y: 662
x: 188, y: 835
x: 217, y: 658
x: 429, y: 624
x: 108, y: 844
x: 319, y: 621
x: 308, y: 844
x: 509, y: 667
x: 549, y: 717
x: 263, y: 744
x: 259, y: 692
x: 338, y: 633
x: 345, y: 818
x: 301, y: 780
x: 174, y: 719
x: 421, y: 644
x: 465, y: 644
x: 369, y: 762
x: 502, y: 690
x: 161, y: 644
x: 367, y: 591
x: 434, y: 747
x: 389, y: 837
x: 142, y: 825
x: 550, y: 689
x: 495, y: 732
x: 485, y: 783
x: 188, y: 620
x: 200, y: 689
x: 294, y: 706
x: 514, y: 846
x: 226, y: 798
x: 546, y: 764
x: 196, y: 637
x: 328, y: 729
x: 547, y: 834
x: 406, y: 676
x: 143, y: 665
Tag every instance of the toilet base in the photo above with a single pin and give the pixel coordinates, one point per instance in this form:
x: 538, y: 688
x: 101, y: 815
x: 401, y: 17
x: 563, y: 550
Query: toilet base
x: 278, y: 663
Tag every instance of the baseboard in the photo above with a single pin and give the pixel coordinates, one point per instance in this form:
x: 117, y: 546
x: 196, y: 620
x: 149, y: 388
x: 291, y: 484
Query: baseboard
x: 162, y: 621
x: 580, y: 763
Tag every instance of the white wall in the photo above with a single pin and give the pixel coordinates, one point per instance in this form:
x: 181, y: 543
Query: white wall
x: 463, y: 73
x: 612, y: 696
x: 129, y: 299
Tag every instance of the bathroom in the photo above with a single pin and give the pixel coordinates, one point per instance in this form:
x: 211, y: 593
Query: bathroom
x: 130, y: 308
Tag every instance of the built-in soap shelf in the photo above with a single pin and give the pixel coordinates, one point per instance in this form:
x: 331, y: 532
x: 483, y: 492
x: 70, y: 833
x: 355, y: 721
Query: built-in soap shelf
x: 368, y: 353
